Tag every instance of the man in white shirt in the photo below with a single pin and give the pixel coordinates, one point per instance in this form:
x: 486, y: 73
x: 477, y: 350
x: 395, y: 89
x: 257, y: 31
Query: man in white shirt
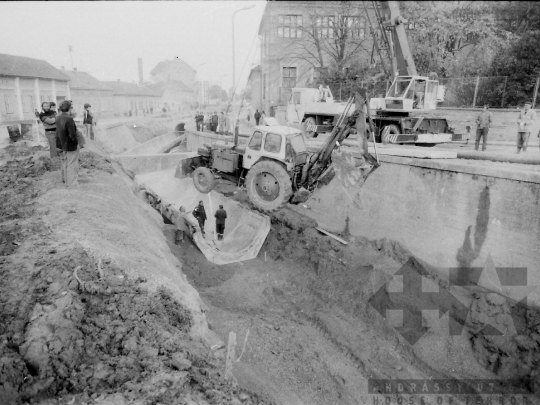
x: 526, y: 119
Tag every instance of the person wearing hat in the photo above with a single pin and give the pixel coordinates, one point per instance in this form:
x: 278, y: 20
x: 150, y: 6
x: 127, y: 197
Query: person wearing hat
x: 66, y: 134
x: 525, y: 121
x: 88, y: 121
x: 483, y: 121
x: 200, y: 214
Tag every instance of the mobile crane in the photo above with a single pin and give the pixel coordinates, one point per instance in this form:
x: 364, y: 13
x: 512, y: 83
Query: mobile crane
x: 402, y: 117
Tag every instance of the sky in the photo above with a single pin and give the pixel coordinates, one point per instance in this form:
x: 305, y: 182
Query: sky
x: 107, y: 37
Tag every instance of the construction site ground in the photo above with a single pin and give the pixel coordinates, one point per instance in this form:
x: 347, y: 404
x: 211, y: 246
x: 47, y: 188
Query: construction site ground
x: 116, y: 332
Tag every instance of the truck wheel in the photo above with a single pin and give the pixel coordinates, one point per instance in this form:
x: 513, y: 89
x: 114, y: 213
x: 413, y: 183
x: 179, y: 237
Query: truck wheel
x: 203, y: 179
x: 307, y: 123
x: 388, y: 131
x: 268, y: 186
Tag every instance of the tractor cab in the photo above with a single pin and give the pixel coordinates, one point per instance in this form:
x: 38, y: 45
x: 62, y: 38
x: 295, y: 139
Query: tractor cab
x: 280, y: 143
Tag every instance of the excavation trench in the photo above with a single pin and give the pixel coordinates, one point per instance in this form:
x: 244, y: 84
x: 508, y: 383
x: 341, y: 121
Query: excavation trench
x: 305, y: 311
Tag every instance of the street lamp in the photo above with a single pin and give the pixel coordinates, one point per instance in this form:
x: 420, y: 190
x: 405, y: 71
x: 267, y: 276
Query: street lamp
x: 234, y: 67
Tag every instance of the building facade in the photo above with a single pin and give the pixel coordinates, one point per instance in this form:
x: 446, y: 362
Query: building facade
x: 298, y: 41
x: 254, y: 83
x: 174, y: 70
x: 133, y: 100
x: 87, y: 89
x: 24, y: 84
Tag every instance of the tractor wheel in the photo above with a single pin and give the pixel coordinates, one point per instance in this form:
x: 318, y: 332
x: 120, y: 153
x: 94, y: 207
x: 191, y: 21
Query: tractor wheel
x: 203, y: 179
x: 307, y: 123
x: 268, y: 186
x: 388, y: 131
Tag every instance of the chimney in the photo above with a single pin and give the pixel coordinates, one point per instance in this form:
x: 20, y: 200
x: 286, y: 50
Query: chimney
x: 141, y: 79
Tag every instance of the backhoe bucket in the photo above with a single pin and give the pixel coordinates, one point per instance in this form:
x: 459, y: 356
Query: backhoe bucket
x: 351, y: 171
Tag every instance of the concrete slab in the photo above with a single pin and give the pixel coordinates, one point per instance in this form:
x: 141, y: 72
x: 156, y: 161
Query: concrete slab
x: 160, y: 144
x: 152, y: 162
x: 245, y: 230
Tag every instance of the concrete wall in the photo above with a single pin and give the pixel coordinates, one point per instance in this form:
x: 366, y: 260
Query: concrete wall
x: 448, y: 214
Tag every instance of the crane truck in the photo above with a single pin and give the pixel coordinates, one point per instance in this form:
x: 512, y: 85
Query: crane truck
x: 402, y: 116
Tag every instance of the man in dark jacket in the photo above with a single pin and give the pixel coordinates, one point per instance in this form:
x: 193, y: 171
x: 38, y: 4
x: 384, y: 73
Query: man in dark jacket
x: 66, y: 134
x: 215, y: 121
x: 220, y: 216
x: 200, y: 214
x: 88, y: 121
x: 257, y: 117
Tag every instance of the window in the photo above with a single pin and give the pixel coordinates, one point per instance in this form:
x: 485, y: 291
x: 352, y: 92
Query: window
x: 288, y: 77
x: 27, y: 103
x: 8, y: 100
x: 289, y: 26
x: 325, y: 26
x: 272, y: 143
x: 256, y: 141
x: 357, y: 27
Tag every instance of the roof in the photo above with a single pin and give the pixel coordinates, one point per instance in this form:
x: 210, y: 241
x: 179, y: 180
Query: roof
x: 162, y: 66
x: 279, y: 129
x: 83, y: 81
x: 22, y: 66
x: 132, y: 89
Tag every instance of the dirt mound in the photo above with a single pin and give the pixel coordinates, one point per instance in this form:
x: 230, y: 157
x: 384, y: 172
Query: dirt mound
x: 73, y: 330
x: 93, y: 161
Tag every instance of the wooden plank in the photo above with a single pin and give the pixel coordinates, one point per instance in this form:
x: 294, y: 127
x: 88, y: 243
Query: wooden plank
x: 230, y: 356
x: 332, y: 235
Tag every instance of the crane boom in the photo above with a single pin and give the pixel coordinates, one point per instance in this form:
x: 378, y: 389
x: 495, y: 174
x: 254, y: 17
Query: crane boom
x: 400, y: 44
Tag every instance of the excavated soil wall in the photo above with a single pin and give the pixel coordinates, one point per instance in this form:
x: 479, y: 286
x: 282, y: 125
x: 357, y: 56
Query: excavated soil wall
x: 93, y: 305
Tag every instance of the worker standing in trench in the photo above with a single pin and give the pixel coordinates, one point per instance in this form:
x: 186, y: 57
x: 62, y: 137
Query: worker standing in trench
x: 184, y: 223
x: 200, y: 214
x: 220, y: 216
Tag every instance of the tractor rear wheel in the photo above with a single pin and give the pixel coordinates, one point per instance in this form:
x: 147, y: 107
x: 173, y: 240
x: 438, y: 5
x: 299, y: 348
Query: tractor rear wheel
x: 268, y: 186
x: 203, y: 179
x: 310, y: 121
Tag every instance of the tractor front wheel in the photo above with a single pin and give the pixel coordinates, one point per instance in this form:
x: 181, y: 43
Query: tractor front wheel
x: 268, y: 186
x: 203, y: 179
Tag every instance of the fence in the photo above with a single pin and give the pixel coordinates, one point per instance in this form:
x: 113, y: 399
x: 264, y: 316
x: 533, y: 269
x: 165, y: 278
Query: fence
x: 497, y: 91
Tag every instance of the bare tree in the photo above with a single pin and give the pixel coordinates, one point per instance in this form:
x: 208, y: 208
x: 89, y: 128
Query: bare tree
x: 330, y: 37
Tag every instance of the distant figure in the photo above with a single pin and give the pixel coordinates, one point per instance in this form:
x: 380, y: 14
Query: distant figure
x: 48, y: 118
x: 222, y: 123
x: 151, y: 110
x: 220, y: 216
x: 248, y: 116
x: 88, y: 121
x: 525, y: 121
x: 257, y: 117
x: 483, y: 121
x: 130, y: 113
x: 215, y: 122
x: 200, y: 214
x: 263, y: 114
x: 66, y: 133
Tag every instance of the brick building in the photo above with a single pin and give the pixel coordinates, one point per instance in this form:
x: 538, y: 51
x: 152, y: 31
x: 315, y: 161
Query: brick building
x: 24, y: 84
x: 298, y: 40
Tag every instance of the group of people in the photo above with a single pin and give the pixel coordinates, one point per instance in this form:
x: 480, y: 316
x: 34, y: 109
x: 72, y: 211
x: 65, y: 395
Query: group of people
x: 64, y: 139
x: 213, y: 122
x: 186, y: 222
x: 525, y: 121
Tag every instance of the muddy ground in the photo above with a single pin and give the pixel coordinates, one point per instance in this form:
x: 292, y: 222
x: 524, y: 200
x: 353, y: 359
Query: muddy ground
x: 306, y: 333
x: 77, y: 330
